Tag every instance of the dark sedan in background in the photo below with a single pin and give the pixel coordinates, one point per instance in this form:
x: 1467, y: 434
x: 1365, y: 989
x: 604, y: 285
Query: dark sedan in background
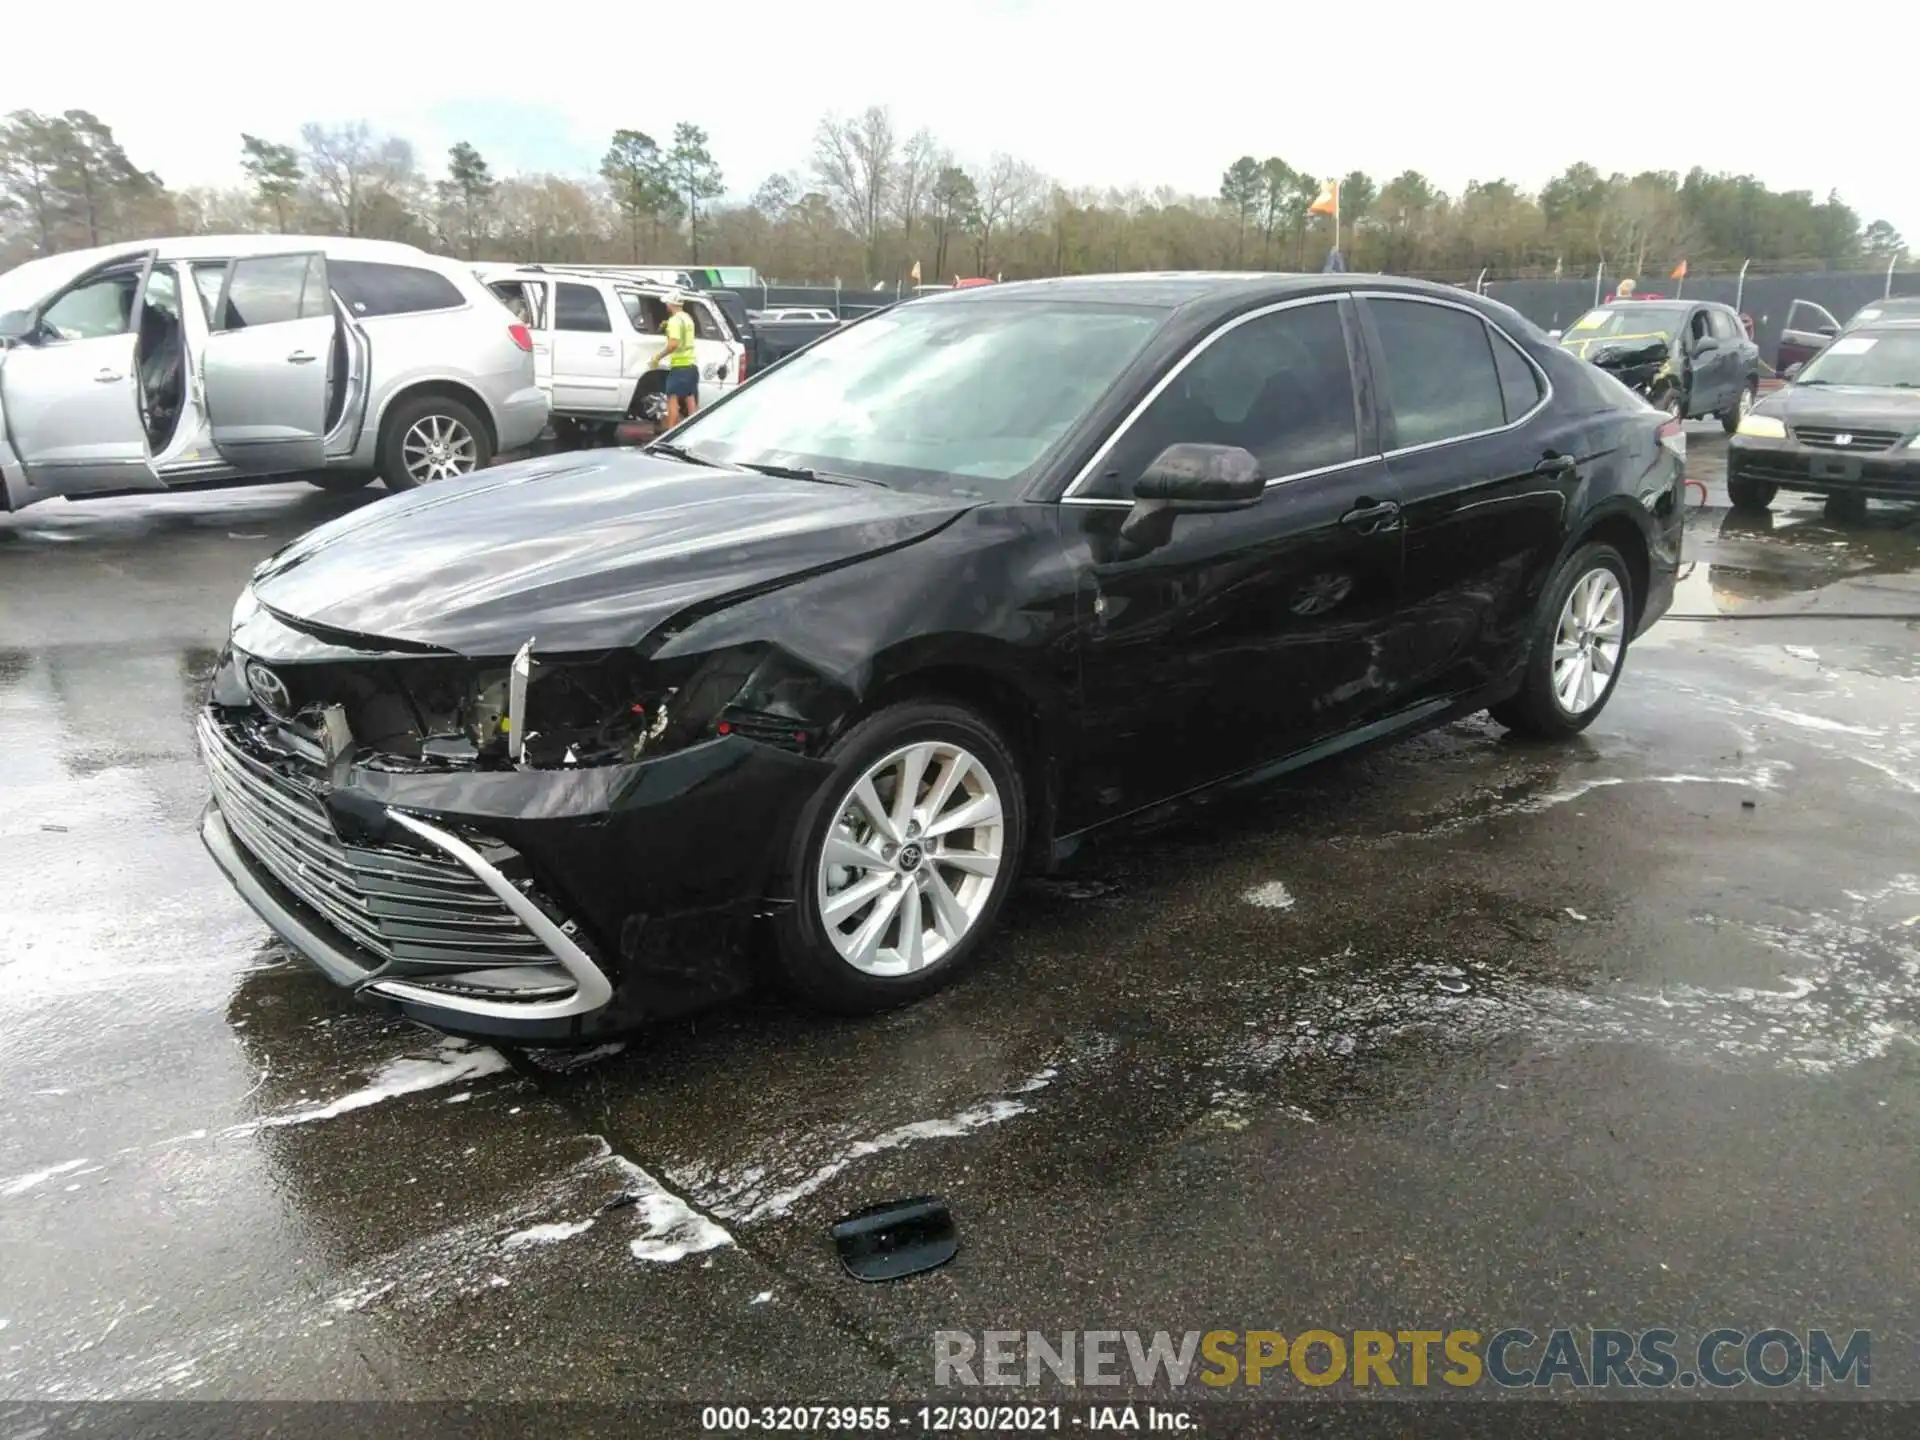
x: 1693, y: 359
x: 1847, y: 426
x: 535, y: 756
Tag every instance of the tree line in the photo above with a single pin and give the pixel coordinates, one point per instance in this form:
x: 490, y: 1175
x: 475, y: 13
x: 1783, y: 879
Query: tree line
x: 873, y: 200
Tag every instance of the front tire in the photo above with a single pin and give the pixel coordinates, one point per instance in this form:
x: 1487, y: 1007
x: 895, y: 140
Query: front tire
x: 1579, y: 647
x: 1731, y: 417
x: 430, y: 438
x: 901, y: 861
x: 1846, y: 509
x: 1750, y: 495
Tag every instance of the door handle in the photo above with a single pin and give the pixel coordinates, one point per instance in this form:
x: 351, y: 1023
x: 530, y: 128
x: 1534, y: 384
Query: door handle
x: 606, y: 350
x: 300, y: 357
x: 107, y: 377
x: 1371, y: 519
x: 1555, y: 467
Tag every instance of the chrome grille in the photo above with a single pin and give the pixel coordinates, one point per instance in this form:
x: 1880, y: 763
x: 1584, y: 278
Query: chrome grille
x: 398, y: 905
x: 1827, y: 437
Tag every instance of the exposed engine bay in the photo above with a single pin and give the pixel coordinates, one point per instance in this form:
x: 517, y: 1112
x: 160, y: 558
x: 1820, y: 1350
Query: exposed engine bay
x: 432, y: 713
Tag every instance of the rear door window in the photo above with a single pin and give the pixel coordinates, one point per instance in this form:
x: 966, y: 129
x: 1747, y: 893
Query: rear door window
x: 1441, y: 380
x: 271, y: 290
x: 580, y: 307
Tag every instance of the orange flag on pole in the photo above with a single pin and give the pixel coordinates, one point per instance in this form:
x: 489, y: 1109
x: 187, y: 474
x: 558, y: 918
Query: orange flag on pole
x: 1329, y: 201
x: 1679, y: 271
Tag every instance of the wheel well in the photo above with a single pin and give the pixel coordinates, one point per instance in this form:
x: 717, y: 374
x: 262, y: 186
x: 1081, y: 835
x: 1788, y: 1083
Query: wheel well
x: 449, y: 390
x: 1623, y: 535
x: 1011, y: 712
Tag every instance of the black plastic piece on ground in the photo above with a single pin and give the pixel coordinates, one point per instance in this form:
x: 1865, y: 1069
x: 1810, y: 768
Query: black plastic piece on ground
x: 897, y: 1238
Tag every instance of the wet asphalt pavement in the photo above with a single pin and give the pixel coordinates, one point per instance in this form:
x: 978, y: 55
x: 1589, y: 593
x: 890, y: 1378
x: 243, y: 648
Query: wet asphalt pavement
x: 1457, y: 1033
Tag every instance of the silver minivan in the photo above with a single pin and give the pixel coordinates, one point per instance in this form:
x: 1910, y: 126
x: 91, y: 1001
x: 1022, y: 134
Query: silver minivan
x: 218, y: 360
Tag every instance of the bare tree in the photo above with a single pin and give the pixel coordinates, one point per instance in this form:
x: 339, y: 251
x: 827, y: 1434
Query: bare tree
x: 920, y: 162
x: 1009, y: 191
x: 340, y: 158
x: 855, y: 161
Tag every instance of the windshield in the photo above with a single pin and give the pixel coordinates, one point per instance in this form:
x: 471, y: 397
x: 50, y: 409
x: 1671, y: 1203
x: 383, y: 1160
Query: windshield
x: 25, y: 286
x: 1904, y: 307
x: 930, y: 394
x: 1616, y: 321
x: 1878, y: 358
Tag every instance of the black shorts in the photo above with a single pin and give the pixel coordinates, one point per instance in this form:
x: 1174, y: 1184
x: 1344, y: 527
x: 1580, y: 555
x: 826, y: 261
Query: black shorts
x: 683, y: 380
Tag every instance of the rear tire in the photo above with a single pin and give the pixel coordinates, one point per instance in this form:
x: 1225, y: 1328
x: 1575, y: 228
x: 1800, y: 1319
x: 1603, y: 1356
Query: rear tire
x: 430, y: 438
x: 846, y: 964
x: 1578, y: 647
x: 1731, y: 417
x: 339, y: 482
x: 1750, y: 495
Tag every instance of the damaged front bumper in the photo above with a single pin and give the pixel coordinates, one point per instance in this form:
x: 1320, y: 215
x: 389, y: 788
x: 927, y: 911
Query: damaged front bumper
x: 543, y: 907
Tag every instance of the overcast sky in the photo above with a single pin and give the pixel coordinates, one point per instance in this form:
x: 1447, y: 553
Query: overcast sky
x: 1093, y: 94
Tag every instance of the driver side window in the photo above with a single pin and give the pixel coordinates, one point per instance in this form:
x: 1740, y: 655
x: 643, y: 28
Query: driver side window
x: 1280, y: 386
x: 98, y: 307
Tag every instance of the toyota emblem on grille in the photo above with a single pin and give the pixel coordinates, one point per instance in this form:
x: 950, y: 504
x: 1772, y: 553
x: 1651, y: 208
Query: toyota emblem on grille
x: 1843, y: 439
x: 269, y: 691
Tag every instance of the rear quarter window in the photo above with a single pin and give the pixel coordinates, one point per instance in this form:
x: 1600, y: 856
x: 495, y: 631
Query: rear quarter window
x: 370, y: 288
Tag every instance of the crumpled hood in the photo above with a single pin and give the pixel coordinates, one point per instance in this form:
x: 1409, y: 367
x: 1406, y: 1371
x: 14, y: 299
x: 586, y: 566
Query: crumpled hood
x: 581, y: 552
x: 1626, y: 353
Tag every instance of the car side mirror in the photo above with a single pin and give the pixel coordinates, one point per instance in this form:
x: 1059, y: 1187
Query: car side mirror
x: 16, y: 325
x: 1189, y: 479
x: 1792, y: 371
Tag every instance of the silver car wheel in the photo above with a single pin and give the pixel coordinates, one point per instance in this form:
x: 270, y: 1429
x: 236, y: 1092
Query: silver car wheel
x: 911, y: 859
x: 438, y: 447
x: 1745, y: 402
x: 1587, y: 644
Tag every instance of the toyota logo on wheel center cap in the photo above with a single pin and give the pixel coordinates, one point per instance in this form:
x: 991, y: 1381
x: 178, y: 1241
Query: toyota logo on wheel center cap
x: 269, y: 691
x: 910, y: 857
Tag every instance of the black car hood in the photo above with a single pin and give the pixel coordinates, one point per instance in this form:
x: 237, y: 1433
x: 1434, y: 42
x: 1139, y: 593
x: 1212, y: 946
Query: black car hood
x: 1861, y: 406
x: 581, y: 552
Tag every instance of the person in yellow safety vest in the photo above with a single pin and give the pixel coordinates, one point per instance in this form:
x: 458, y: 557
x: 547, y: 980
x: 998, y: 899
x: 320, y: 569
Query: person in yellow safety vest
x: 683, y: 366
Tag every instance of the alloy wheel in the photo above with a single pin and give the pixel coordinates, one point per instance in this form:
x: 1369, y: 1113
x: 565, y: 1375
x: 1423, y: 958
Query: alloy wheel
x: 1745, y: 402
x: 1588, y: 641
x: 911, y: 859
x: 438, y: 447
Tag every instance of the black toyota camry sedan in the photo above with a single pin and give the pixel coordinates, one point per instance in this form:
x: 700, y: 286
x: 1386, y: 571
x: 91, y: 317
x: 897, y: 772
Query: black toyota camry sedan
x: 1846, y: 426
x: 544, y: 754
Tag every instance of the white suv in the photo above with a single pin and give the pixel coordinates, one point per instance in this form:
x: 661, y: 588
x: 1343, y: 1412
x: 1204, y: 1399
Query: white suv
x: 594, y: 333
x: 218, y: 360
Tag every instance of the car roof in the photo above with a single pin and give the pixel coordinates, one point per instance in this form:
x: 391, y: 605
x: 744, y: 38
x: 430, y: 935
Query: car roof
x: 492, y: 274
x: 1200, y: 289
x: 193, y: 247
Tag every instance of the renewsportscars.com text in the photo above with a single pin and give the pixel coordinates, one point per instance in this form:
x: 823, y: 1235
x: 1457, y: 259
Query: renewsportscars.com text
x: 1561, y: 1358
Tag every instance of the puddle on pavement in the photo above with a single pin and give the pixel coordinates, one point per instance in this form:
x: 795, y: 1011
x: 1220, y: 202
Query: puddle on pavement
x: 1742, y: 563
